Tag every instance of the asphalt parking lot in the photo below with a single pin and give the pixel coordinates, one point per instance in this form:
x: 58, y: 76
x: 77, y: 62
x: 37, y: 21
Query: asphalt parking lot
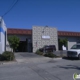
x: 42, y: 69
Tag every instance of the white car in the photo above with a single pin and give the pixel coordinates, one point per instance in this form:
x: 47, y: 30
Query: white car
x: 74, y: 51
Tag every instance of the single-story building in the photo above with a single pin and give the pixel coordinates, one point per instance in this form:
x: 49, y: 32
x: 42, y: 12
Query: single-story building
x: 32, y: 39
x: 35, y: 38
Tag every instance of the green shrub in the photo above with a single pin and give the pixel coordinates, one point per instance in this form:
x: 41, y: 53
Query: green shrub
x: 39, y: 52
x: 50, y: 54
x: 8, y: 56
x: 2, y: 58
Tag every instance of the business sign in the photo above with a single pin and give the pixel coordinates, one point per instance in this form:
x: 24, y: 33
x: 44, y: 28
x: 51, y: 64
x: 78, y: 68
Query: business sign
x: 45, y: 37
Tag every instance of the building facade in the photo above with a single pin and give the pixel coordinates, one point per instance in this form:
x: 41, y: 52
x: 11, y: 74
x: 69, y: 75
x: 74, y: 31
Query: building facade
x: 42, y: 36
x: 38, y: 36
x: 35, y: 38
x: 72, y: 37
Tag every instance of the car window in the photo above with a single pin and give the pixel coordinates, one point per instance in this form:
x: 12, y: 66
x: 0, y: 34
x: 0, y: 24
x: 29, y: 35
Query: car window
x: 75, y: 47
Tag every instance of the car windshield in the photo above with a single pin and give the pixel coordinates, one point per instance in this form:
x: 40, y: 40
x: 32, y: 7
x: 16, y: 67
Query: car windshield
x: 75, y: 47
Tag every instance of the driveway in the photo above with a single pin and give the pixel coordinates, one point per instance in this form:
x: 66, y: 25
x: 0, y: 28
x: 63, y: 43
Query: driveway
x: 30, y: 57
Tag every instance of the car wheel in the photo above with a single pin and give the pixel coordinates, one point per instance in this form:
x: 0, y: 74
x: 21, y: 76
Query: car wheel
x: 79, y: 56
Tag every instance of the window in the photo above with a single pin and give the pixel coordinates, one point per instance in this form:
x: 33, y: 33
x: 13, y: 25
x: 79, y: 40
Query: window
x: 75, y: 47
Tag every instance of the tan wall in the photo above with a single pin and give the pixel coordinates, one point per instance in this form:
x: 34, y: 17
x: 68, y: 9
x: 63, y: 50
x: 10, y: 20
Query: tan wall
x: 38, y: 41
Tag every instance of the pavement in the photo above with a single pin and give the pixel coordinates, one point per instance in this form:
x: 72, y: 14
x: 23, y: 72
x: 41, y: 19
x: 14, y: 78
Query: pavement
x: 61, y: 53
x: 31, y: 57
x: 42, y: 69
x: 26, y: 57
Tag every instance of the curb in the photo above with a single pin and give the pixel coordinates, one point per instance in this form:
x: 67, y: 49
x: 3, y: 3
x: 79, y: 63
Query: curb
x: 1, y: 63
x: 20, y: 61
x: 28, y: 61
x: 9, y: 62
x: 57, y: 58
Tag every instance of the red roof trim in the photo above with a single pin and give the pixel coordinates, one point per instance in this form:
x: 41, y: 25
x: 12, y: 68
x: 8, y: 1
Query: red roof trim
x: 68, y: 33
x: 29, y: 32
x: 19, y: 31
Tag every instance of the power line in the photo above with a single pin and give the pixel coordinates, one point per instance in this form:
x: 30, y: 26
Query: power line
x: 11, y: 4
x: 10, y: 8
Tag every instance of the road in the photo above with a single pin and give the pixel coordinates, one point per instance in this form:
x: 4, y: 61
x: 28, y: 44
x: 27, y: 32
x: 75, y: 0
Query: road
x: 61, y: 69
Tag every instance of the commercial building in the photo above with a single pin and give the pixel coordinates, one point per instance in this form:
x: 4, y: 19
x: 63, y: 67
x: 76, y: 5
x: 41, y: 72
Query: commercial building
x: 38, y: 36
x: 35, y: 38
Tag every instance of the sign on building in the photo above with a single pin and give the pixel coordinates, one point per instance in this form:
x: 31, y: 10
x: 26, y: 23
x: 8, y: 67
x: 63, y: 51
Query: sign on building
x: 45, y: 37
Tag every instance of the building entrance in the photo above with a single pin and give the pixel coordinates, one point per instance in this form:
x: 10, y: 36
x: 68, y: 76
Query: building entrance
x: 24, y: 46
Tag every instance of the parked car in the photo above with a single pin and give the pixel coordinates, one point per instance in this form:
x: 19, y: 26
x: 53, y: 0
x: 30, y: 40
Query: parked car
x: 48, y: 48
x: 74, y: 51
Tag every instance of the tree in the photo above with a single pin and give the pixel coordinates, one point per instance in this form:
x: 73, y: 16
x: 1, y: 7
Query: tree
x: 62, y: 42
x: 13, y: 42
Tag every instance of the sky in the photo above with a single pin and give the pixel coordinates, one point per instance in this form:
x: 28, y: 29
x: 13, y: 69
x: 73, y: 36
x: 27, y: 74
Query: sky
x: 62, y: 14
